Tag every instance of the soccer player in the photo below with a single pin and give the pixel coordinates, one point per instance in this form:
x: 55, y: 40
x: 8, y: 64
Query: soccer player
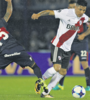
x: 12, y: 51
x: 79, y: 48
x: 70, y: 22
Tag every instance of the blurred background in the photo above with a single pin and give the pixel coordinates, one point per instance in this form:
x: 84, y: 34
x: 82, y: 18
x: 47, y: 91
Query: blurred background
x: 36, y: 35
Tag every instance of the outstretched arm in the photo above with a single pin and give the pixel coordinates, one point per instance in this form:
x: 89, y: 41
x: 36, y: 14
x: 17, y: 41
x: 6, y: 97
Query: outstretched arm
x: 42, y: 13
x: 8, y: 11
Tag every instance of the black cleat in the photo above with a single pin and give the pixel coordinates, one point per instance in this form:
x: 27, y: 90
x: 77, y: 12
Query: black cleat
x: 46, y: 96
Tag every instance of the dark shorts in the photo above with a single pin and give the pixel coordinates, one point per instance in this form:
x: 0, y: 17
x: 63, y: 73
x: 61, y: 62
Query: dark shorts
x: 80, y: 49
x: 15, y: 54
x: 58, y: 56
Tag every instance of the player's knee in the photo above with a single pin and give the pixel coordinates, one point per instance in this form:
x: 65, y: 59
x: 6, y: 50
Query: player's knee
x: 57, y: 67
x: 84, y: 64
x: 63, y: 71
x: 34, y: 66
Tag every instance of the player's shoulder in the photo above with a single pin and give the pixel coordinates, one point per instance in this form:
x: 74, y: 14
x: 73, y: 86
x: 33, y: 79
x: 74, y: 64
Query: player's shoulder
x: 84, y: 15
x: 69, y: 12
x: 65, y: 11
x: 62, y: 10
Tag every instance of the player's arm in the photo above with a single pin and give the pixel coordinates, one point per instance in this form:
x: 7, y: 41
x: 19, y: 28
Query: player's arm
x: 42, y: 13
x: 82, y: 36
x: 8, y: 10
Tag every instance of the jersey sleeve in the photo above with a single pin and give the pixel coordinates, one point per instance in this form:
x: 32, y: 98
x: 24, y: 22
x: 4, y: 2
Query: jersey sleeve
x: 60, y: 13
x: 86, y: 18
x: 3, y: 23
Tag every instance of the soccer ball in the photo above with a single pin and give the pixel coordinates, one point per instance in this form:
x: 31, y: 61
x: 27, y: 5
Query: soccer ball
x: 78, y: 91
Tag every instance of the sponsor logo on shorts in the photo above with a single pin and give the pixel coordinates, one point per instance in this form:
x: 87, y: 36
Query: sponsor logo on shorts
x: 13, y: 54
x: 59, y: 57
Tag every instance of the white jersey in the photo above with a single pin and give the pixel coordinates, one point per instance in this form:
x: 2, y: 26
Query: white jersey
x: 68, y: 27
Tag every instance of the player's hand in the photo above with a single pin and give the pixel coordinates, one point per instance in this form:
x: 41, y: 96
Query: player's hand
x: 8, y: 0
x: 35, y: 16
x: 81, y: 37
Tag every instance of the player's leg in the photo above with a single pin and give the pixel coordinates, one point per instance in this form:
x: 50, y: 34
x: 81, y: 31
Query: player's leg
x: 56, y: 61
x: 49, y: 95
x: 60, y: 74
x: 24, y: 59
x: 65, y: 63
x: 55, y: 79
x: 83, y: 56
x: 49, y: 73
x: 87, y: 74
x: 54, y: 57
x: 52, y: 83
x: 60, y: 85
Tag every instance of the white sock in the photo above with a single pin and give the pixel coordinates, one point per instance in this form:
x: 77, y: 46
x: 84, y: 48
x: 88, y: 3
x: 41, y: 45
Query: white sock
x: 49, y: 73
x: 55, y: 79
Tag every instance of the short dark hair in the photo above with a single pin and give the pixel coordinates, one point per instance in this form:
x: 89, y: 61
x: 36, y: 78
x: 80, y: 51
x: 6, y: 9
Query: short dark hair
x: 72, y: 1
x: 82, y: 2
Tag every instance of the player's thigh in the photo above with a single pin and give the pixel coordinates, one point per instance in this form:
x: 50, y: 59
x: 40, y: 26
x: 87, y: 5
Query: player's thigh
x: 65, y: 60
x: 63, y: 71
x: 24, y: 59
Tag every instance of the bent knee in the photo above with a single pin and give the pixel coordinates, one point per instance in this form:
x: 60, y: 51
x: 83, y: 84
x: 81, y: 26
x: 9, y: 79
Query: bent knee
x: 57, y: 67
x: 63, y: 71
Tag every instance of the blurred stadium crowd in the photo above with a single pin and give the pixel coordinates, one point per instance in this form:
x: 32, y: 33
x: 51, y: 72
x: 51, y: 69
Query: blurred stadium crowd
x: 34, y: 35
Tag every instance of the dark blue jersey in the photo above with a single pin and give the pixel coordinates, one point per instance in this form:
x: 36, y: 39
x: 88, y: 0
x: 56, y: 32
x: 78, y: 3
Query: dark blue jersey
x: 82, y: 29
x: 6, y: 39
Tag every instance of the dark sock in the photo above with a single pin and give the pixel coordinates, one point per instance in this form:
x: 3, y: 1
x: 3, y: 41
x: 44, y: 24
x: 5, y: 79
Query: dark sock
x: 37, y: 71
x: 62, y: 80
x: 87, y: 75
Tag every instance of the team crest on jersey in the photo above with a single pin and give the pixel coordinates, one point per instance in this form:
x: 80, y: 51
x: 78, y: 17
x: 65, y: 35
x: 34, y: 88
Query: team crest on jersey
x: 59, y: 57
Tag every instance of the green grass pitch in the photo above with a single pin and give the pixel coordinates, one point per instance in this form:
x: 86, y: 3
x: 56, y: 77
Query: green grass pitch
x: 22, y: 88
